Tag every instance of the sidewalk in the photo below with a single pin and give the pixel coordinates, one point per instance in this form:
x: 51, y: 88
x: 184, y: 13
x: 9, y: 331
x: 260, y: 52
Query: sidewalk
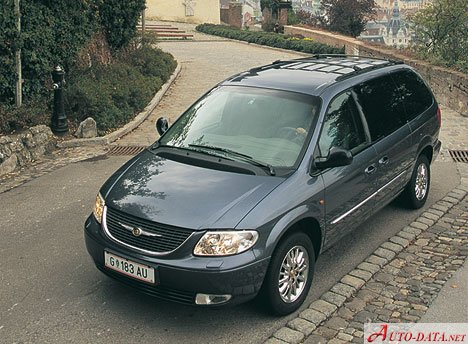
x: 449, y: 305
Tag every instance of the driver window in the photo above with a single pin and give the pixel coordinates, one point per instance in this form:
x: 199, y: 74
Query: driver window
x: 342, y: 126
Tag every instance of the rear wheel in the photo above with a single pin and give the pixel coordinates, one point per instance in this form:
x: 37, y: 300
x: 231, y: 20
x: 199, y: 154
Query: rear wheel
x: 289, y: 275
x: 415, y: 194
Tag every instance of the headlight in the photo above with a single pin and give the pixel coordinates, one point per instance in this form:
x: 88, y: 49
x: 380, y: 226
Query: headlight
x: 225, y: 243
x: 99, y: 208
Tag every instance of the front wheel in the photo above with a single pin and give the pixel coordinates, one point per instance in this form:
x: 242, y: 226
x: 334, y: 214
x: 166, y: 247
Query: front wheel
x: 417, y: 190
x: 290, y: 274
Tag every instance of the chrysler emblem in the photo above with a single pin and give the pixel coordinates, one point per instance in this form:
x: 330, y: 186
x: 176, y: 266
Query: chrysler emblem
x: 136, y: 231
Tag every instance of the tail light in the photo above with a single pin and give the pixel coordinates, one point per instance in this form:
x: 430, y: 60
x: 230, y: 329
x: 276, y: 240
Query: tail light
x: 439, y: 116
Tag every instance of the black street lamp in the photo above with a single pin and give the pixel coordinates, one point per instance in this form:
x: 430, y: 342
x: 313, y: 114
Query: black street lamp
x: 59, y: 123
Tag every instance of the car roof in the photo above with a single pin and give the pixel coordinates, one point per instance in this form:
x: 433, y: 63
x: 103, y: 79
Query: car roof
x: 309, y: 75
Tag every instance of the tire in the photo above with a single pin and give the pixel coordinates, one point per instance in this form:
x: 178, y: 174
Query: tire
x: 286, y: 297
x: 415, y: 194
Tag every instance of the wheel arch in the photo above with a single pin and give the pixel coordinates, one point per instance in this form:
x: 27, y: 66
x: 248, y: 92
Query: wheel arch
x: 426, y: 148
x: 305, y: 223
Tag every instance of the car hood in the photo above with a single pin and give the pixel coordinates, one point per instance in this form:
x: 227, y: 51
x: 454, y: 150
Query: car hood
x: 178, y: 194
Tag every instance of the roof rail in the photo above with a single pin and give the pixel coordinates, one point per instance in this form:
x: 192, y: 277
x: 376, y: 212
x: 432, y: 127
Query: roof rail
x: 318, y: 56
x: 356, y: 69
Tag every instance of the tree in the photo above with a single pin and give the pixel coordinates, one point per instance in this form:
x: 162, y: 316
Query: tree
x: 441, y: 32
x: 348, y: 17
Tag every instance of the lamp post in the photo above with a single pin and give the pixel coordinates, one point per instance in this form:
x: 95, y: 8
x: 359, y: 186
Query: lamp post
x: 59, y: 123
x: 19, y: 81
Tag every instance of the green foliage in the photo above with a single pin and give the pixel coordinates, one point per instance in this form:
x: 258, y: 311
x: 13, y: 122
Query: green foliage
x: 119, y: 19
x: 36, y: 111
x: 308, y: 18
x: 348, y: 17
x: 9, y: 41
x: 293, y: 19
x: 269, y: 39
x: 52, y: 33
x: 113, y: 94
x: 441, y: 33
x: 268, y: 25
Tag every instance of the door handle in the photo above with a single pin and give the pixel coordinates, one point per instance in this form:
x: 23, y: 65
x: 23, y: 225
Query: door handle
x: 383, y: 160
x: 371, y: 169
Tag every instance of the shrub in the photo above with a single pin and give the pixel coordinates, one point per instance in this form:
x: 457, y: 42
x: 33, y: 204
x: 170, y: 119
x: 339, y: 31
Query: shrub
x: 113, y: 94
x: 37, y: 111
x: 119, y: 20
x: 270, y: 39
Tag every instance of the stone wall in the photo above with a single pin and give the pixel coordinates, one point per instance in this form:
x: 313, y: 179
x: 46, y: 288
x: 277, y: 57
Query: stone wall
x: 450, y: 87
x: 232, y: 16
x: 19, y: 150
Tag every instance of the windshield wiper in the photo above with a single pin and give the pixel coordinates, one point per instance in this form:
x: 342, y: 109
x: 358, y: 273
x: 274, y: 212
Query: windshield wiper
x: 243, y: 156
x: 191, y: 150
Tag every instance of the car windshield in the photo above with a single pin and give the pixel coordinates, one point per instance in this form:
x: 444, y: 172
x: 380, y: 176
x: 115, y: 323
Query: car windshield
x: 265, y: 126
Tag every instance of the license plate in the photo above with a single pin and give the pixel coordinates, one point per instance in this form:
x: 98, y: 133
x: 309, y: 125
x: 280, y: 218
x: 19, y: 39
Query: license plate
x: 127, y: 267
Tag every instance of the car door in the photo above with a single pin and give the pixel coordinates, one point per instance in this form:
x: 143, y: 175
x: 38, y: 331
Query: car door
x: 347, y: 188
x: 381, y: 103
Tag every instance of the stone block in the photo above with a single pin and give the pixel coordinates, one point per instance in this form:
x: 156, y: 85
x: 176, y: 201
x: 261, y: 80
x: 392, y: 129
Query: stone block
x: 353, y: 281
x: 324, y: 307
x: 289, y: 335
x: 333, y: 298
x: 313, y: 316
x: 304, y: 326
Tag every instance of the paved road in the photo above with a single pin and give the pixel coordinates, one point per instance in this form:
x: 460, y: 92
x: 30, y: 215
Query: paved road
x: 51, y: 292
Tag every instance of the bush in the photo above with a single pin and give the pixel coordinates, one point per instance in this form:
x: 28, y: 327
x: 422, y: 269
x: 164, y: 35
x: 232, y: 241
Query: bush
x: 119, y: 20
x: 113, y: 94
x: 37, y: 111
x: 270, y: 39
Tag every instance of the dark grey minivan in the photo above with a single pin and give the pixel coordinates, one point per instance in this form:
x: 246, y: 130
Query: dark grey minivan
x: 265, y: 171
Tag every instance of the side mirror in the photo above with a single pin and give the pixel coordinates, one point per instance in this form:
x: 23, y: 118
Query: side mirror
x: 336, y: 157
x: 162, y: 125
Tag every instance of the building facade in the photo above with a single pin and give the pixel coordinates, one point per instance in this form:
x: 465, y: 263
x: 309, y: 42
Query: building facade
x: 189, y: 11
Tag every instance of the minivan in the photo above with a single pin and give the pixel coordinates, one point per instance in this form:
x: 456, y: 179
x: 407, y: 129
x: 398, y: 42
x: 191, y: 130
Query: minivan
x: 239, y: 196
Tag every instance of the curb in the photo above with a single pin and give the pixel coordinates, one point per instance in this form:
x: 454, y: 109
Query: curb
x: 115, y: 135
x: 330, y: 303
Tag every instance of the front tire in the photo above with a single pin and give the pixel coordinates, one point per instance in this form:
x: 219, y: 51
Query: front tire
x: 415, y: 194
x: 290, y: 274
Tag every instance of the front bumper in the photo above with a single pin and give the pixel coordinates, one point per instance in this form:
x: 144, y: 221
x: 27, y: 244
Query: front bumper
x: 182, y: 278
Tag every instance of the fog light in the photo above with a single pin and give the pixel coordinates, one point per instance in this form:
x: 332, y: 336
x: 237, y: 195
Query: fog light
x: 207, y: 299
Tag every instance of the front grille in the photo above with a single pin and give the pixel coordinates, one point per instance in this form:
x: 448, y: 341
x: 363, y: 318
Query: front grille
x: 169, y: 294
x: 170, y: 237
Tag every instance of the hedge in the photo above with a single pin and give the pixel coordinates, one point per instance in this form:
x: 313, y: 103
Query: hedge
x: 269, y: 39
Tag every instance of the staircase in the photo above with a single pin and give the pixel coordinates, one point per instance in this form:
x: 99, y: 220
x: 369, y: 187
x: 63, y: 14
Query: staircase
x: 166, y: 32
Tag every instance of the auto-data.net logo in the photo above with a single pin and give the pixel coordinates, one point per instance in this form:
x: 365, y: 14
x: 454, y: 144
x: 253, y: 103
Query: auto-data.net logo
x: 416, y: 333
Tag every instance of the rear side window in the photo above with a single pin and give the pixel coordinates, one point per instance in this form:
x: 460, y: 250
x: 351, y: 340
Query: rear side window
x: 415, y: 96
x: 382, y: 106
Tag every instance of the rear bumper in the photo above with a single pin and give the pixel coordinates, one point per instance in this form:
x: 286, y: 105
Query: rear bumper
x: 175, y: 280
